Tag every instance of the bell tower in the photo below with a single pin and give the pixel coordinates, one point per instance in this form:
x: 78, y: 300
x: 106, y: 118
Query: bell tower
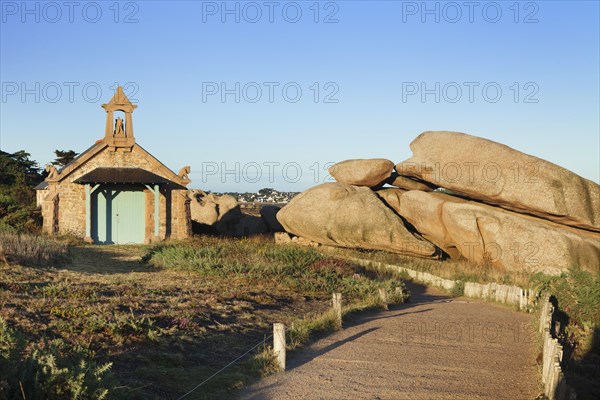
x: 119, y: 133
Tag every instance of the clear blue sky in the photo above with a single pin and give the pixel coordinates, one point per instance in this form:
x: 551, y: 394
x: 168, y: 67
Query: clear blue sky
x: 373, y: 57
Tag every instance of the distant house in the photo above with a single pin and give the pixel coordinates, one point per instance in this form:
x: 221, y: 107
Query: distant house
x: 115, y: 191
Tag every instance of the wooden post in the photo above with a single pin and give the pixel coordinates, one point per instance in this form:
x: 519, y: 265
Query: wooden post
x: 383, y: 297
x: 337, y: 308
x: 279, y: 344
x: 88, y: 212
x: 156, y: 211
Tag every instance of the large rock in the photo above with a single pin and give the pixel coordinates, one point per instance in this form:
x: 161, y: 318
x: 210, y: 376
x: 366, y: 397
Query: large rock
x: 282, y: 238
x: 407, y: 183
x: 220, y: 211
x: 202, y: 208
x: 286, y: 238
x: 342, y: 215
x: 370, y: 172
x: 391, y: 197
x: 269, y: 216
x: 486, y: 234
x: 222, y: 214
x: 497, y: 174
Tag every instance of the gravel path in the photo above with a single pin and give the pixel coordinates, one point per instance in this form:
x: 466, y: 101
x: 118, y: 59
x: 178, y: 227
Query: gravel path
x: 434, y: 347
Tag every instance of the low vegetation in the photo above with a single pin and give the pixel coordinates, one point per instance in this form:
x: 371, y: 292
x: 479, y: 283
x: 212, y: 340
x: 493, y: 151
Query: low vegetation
x: 18, y: 176
x: 576, y: 294
x: 153, y: 322
x: 31, y: 250
x: 303, y: 270
x: 51, y: 371
x: 460, y: 270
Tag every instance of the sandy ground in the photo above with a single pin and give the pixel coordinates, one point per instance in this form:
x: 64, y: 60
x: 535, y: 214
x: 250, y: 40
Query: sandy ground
x: 431, y: 348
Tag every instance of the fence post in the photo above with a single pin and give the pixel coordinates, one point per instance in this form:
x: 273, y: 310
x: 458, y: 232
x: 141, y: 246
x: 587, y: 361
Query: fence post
x: 279, y: 344
x: 337, y: 308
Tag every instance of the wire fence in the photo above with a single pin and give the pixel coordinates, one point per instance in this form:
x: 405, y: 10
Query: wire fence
x: 262, y: 342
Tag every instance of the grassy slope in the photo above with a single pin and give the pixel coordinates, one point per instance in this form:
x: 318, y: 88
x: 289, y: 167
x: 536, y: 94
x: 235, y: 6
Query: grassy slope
x: 192, y: 307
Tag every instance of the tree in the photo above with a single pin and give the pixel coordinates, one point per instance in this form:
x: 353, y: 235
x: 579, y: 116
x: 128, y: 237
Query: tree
x: 265, y: 191
x: 17, y: 167
x: 63, y: 157
x: 18, y: 176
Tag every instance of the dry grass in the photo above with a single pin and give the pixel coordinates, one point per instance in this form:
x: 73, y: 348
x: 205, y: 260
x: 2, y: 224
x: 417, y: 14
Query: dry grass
x: 31, y: 250
x: 190, y: 309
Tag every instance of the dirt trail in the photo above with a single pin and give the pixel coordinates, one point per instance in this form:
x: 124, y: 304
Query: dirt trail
x: 431, y: 348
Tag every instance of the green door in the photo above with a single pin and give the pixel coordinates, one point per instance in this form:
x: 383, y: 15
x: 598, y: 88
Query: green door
x: 118, y: 216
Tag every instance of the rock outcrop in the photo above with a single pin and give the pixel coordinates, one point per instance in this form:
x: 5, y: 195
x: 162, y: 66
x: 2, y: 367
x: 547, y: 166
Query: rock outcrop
x: 391, y: 197
x: 343, y: 215
x: 486, y: 234
x: 208, y: 208
x: 458, y: 194
x: 220, y: 212
x: 368, y: 172
x: 286, y: 238
x: 497, y: 174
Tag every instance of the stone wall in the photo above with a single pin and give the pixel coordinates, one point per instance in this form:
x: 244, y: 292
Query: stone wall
x: 50, y: 212
x: 39, y: 197
x: 71, y: 208
x: 419, y: 276
x: 506, y: 294
x: 181, y: 218
x: 149, y: 197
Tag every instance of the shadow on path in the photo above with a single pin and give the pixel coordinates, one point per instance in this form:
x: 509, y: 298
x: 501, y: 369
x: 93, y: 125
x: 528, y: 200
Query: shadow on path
x: 413, y: 351
x: 310, y: 354
x: 108, y: 259
x: 420, y: 295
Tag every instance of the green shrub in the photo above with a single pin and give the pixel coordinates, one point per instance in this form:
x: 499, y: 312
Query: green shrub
x: 577, y: 292
x: 302, y: 330
x: 292, y: 255
x: 458, y: 289
x: 299, y: 268
x: 50, y: 372
x: 263, y: 363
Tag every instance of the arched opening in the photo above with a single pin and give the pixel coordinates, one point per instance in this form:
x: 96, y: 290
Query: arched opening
x: 120, y: 124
